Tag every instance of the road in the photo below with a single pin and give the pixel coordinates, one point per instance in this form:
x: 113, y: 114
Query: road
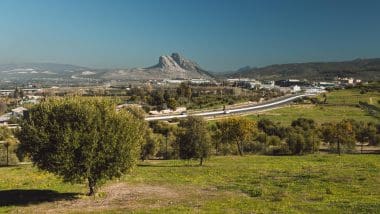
x: 252, y: 108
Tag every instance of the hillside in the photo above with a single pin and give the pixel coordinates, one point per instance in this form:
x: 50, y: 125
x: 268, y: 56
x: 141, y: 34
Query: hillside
x: 168, y: 67
x: 40, y: 70
x: 366, y: 69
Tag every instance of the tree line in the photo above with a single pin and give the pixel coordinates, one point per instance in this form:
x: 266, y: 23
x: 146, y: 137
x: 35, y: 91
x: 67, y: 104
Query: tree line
x: 239, y: 135
x: 194, y: 97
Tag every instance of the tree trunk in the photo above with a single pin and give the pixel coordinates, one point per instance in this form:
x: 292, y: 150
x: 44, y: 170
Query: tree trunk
x: 240, y: 150
x: 91, y: 186
x: 338, y: 147
x: 361, y: 148
x: 201, y: 162
x: 7, y: 155
x: 166, y: 146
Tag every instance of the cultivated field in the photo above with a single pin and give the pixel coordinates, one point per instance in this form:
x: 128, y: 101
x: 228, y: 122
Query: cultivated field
x: 340, y: 105
x: 231, y: 184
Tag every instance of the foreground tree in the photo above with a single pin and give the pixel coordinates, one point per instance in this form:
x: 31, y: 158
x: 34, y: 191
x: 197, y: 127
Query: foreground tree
x: 194, y: 139
x: 82, y: 139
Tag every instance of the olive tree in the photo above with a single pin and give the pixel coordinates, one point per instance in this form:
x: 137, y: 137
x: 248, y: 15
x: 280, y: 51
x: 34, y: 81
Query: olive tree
x: 81, y: 139
x: 237, y: 131
x: 340, y: 136
x: 194, y: 139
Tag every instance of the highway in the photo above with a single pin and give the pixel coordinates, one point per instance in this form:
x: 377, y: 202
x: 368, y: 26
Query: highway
x: 252, y: 108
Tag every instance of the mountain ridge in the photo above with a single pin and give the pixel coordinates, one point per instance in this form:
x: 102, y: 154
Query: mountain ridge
x: 172, y: 66
x: 366, y: 69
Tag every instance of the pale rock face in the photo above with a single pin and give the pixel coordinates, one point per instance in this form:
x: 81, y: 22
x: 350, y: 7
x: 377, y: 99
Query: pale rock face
x: 185, y: 63
x: 167, y: 63
x: 168, y: 67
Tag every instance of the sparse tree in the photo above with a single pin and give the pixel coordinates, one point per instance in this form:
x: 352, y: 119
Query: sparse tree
x: 194, y: 139
x: 172, y: 104
x: 82, y: 139
x: 340, y: 136
x: 237, y: 131
x: 149, y: 147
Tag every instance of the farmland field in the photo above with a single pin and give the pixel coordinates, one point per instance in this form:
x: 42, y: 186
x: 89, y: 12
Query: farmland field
x: 259, y: 184
x: 341, y: 104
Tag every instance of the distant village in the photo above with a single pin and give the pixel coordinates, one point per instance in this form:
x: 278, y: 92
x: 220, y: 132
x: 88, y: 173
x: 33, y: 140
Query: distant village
x: 33, y: 93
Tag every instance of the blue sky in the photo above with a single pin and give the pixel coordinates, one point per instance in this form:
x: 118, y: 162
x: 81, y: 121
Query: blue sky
x: 219, y: 34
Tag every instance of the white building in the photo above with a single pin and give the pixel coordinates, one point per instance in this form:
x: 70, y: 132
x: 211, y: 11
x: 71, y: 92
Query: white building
x: 295, y: 88
x: 19, y: 111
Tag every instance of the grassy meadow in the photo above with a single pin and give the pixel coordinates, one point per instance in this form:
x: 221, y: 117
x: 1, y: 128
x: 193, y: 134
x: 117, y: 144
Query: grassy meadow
x: 341, y: 104
x: 231, y: 184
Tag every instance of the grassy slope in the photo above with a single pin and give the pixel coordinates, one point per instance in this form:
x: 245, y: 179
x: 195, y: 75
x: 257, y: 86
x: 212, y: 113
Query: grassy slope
x: 262, y: 184
x: 341, y: 105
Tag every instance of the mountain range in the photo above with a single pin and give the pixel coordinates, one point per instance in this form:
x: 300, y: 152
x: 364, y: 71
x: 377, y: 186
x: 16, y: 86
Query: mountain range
x: 175, y: 66
x: 172, y: 66
x: 366, y: 69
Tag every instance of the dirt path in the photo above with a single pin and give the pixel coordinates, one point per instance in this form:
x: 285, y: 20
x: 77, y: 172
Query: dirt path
x: 122, y: 196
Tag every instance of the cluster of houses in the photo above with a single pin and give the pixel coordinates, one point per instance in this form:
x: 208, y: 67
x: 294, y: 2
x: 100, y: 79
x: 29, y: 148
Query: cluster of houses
x: 292, y: 85
x: 193, y: 81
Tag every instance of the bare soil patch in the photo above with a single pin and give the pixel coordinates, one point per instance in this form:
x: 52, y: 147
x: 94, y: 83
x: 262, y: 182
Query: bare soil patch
x: 127, y: 197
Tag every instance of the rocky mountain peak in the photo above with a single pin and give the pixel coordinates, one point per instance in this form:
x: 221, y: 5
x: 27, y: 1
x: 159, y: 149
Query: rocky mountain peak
x: 185, y: 63
x: 168, y: 63
x: 172, y: 66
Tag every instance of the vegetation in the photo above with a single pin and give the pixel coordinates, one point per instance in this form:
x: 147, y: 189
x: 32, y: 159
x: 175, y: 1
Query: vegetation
x: 340, y: 104
x: 81, y: 139
x: 9, y: 144
x: 234, y: 131
x: 228, y: 184
x: 367, y: 69
x: 194, y: 139
x: 194, y: 96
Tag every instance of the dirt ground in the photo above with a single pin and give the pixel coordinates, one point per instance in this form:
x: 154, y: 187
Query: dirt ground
x: 122, y: 196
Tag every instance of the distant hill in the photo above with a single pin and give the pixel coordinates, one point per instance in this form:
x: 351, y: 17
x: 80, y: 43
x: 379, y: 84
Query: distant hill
x: 366, y: 69
x: 25, y: 71
x: 168, y: 67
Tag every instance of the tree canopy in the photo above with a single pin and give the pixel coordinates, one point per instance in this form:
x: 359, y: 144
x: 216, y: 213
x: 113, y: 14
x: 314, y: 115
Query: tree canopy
x: 82, y: 139
x: 237, y: 130
x: 194, y: 139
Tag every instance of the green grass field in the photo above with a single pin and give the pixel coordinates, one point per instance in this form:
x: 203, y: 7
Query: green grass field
x: 250, y: 184
x: 340, y: 105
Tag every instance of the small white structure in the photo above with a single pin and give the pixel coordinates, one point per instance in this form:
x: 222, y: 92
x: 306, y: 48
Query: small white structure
x: 19, y: 111
x: 173, y: 81
x: 295, y: 88
x: 269, y: 84
x: 5, y: 118
x: 118, y: 107
x: 179, y: 110
x: 199, y: 81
